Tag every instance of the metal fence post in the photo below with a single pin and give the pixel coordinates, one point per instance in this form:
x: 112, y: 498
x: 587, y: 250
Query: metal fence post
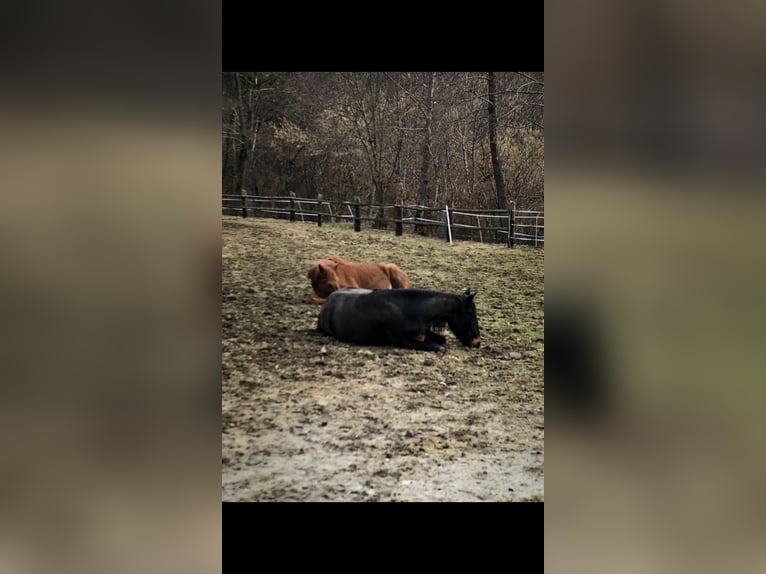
x: 510, y: 226
x: 357, y: 216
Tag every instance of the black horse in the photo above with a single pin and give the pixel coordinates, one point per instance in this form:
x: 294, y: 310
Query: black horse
x: 399, y: 317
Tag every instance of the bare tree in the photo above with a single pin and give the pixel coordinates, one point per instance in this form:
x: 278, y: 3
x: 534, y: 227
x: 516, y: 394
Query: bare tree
x: 248, y: 106
x: 368, y: 104
x: 428, y: 109
x: 245, y: 127
x: 497, y: 167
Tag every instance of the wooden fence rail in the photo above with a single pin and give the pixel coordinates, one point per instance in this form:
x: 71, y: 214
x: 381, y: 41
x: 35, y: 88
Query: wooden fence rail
x: 509, y: 226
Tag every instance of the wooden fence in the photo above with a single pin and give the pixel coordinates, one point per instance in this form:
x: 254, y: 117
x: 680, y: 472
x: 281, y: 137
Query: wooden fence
x: 509, y: 226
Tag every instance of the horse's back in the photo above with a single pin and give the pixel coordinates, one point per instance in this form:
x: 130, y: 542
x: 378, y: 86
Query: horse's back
x: 369, y: 274
x: 403, y: 296
x: 338, y: 309
x: 351, y: 314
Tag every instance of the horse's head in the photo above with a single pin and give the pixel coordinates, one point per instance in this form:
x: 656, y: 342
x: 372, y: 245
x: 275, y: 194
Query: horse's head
x: 465, y: 323
x: 324, y: 279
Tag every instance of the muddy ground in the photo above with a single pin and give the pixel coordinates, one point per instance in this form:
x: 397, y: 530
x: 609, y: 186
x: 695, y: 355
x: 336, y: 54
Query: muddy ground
x: 308, y: 418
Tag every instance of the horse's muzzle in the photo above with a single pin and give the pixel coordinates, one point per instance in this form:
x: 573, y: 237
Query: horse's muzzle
x: 476, y: 342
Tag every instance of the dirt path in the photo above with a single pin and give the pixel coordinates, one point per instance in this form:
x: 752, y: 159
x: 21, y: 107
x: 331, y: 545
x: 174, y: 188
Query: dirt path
x: 307, y: 418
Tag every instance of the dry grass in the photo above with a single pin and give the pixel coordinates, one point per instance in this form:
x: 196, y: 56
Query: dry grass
x: 306, y: 417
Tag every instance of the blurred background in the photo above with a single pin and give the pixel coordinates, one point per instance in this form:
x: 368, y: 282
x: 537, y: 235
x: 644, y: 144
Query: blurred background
x: 110, y: 395
x: 654, y: 322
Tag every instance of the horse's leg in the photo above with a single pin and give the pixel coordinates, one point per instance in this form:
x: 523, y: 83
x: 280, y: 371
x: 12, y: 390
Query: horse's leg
x: 418, y: 345
x: 425, y: 334
x: 412, y: 338
x: 314, y: 298
x: 435, y: 337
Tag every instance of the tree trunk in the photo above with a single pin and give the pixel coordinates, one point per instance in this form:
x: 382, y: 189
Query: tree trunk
x: 426, y: 152
x: 249, y: 125
x: 497, y: 167
x: 379, y: 198
x: 243, y: 166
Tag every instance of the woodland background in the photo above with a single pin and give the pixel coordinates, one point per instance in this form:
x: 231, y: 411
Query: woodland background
x: 465, y: 139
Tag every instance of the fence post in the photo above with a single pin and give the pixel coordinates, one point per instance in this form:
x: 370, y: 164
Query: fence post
x: 510, y: 226
x: 398, y: 221
x: 449, y: 229
x: 292, y: 206
x: 478, y: 224
x: 244, y: 203
x: 357, y: 220
x: 319, y: 210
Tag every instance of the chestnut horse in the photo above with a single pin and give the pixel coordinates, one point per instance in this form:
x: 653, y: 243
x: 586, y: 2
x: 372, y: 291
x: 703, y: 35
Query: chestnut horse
x: 333, y: 273
x: 402, y: 317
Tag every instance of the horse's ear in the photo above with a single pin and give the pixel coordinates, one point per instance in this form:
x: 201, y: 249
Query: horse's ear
x: 470, y: 295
